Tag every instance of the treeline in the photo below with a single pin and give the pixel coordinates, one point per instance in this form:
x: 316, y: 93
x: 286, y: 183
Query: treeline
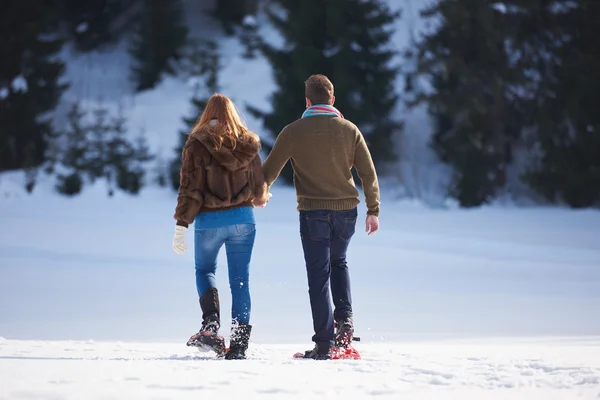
x: 94, y: 144
x: 501, y: 79
x: 514, y: 75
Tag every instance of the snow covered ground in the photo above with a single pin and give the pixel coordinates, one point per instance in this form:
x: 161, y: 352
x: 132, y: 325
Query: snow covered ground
x: 492, y: 303
x: 548, y: 370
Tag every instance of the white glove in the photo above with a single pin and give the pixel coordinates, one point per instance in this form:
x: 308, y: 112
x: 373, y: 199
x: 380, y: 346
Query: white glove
x: 179, y: 239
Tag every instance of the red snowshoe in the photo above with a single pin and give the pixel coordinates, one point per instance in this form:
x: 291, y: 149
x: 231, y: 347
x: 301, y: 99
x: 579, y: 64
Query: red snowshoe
x: 343, y: 349
x: 208, y: 341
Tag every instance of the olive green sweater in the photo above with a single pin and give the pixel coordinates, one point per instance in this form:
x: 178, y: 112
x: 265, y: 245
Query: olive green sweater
x: 323, y: 150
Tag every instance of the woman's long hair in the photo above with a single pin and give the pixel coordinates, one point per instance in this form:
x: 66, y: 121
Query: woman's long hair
x: 229, y: 128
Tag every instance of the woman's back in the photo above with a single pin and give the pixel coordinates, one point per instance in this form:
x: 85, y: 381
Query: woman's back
x: 217, y: 179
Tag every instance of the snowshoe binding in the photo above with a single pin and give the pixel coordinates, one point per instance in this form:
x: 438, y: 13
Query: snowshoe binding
x: 344, y: 333
x: 207, y: 339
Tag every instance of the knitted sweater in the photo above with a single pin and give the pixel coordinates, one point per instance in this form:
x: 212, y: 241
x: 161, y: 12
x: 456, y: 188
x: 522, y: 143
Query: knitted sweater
x: 322, y: 150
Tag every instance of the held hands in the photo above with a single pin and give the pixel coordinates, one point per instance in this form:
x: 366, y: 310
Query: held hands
x: 262, y: 205
x: 372, y: 224
x: 179, y: 245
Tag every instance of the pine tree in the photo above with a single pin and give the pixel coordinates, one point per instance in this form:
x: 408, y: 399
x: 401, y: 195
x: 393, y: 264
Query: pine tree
x: 348, y: 41
x: 70, y: 159
x: 117, y: 160
x: 207, y: 64
x: 566, y: 122
x: 231, y: 13
x: 30, y: 86
x: 473, y: 102
x: 100, y: 150
x: 130, y: 166
x: 158, y: 43
x: 92, y: 24
x: 249, y: 37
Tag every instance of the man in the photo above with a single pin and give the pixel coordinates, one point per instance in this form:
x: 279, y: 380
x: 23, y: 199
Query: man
x: 323, y: 147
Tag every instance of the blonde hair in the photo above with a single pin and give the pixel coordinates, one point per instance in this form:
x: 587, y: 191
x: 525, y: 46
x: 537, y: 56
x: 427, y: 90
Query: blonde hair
x: 229, y: 128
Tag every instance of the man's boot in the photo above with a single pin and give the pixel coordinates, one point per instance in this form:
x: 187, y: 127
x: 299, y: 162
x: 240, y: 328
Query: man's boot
x: 240, y: 336
x: 344, y: 332
x: 208, y: 337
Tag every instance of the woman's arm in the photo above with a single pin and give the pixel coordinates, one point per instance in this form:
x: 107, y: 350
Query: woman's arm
x: 257, y: 181
x: 190, y: 199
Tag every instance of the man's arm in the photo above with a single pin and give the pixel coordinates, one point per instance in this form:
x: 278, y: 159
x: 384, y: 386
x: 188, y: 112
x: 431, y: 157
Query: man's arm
x: 279, y: 155
x: 366, y: 171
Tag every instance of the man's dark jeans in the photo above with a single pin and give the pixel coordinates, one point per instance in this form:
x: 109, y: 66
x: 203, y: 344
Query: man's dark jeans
x: 325, y: 237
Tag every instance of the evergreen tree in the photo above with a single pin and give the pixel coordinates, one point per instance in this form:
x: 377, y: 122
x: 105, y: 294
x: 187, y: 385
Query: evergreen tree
x: 91, y: 24
x: 131, y: 165
x: 249, y: 37
x: 349, y: 42
x: 29, y: 82
x: 565, y: 45
x: 231, y: 13
x: 100, y: 150
x: 113, y: 157
x: 158, y: 43
x: 71, y: 160
x: 206, y: 60
x: 474, y: 104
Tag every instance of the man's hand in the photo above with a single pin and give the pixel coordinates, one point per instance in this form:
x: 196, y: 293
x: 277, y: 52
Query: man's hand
x: 372, y: 224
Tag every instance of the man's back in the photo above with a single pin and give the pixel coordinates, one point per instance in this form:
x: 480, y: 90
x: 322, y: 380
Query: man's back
x: 322, y: 154
x: 323, y: 147
x: 323, y: 150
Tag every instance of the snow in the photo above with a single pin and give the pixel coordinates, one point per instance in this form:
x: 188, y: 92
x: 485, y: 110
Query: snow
x: 19, y: 84
x: 249, y: 20
x: 4, y: 92
x: 500, y: 7
x: 82, y: 27
x: 499, y: 302
x: 560, y: 7
x: 554, y: 369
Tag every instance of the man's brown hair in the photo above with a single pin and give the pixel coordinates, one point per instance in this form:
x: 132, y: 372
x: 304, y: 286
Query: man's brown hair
x: 319, y: 89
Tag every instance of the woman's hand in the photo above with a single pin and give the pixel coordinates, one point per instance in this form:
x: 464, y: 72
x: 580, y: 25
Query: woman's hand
x: 179, y: 245
x: 262, y: 205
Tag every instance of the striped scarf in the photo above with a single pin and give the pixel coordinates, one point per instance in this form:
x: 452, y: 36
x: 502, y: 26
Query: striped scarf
x: 322, y: 109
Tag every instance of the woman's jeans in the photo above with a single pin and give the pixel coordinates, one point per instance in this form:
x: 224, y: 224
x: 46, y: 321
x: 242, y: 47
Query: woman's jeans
x: 239, y: 242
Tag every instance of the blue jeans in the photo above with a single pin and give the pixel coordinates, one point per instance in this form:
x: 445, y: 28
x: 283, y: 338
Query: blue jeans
x: 325, y: 238
x: 239, y: 242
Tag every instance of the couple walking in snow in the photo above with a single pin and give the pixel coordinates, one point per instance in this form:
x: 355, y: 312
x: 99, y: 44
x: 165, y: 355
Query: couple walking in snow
x: 222, y: 179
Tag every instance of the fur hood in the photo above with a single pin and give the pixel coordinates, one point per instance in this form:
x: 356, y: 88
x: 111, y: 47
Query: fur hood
x: 233, y: 160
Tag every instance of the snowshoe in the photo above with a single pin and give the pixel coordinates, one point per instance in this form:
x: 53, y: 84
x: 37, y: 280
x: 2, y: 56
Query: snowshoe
x: 315, y: 354
x: 335, y: 353
x: 342, y: 349
x: 208, y: 338
x: 208, y: 341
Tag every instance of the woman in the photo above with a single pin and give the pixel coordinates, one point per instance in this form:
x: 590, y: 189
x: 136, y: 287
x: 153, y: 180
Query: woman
x: 221, y: 182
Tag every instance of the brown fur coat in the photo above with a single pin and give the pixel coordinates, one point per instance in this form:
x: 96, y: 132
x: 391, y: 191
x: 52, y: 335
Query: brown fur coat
x: 213, y: 180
